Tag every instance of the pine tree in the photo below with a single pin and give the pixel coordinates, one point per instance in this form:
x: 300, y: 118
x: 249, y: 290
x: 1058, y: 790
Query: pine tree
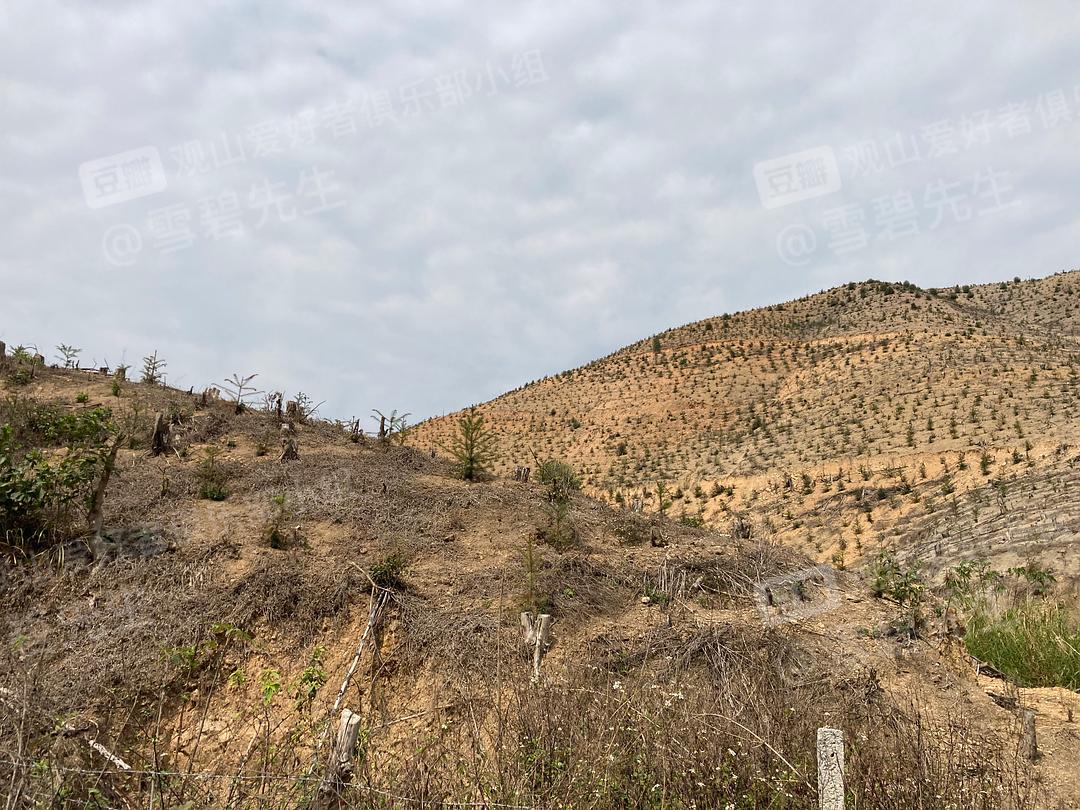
x: 153, y: 369
x: 474, y: 446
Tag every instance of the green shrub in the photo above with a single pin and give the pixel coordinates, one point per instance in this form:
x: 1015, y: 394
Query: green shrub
x: 277, y: 533
x: 387, y: 572
x: 561, y: 482
x: 43, y: 498
x: 890, y: 579
x: 558, y: 476
x: 21, y: 376
x: 212, y: 477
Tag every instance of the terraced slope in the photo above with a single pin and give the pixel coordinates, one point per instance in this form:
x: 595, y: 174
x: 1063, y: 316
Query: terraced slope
x: 887, y: 389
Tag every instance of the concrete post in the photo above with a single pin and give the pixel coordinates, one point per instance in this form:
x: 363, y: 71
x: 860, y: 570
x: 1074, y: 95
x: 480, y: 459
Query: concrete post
x: 830, y: 763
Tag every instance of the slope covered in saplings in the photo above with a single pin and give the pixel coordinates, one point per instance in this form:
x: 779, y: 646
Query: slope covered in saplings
x: 199, y: 649
x: 837, y: 419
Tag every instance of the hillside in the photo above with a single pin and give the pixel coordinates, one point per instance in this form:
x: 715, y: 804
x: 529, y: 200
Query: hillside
x: 836, y: 421
x: 191, y: 653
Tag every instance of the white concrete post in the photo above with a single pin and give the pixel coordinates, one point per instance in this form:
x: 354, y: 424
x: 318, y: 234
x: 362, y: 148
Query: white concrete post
x: 830, y: 768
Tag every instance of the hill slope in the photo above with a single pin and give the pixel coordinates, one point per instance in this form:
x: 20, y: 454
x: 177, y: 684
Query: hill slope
x: 195, y: 654
x: 911, y: 398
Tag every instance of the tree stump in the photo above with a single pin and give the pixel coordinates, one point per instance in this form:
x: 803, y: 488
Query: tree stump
x: 3, y: 353
x: 288, y: 443
x: 292, y: 411
x: 120, y: 375
x: 340, y: 770
x: 161, y: 441
x: 537, y: 632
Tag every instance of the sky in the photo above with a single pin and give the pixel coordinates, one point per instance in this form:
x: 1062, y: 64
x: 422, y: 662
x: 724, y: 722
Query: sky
x: 421, y: 205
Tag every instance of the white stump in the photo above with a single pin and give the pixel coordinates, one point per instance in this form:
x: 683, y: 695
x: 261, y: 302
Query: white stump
x: 830, y: 768
x: 340, y: 770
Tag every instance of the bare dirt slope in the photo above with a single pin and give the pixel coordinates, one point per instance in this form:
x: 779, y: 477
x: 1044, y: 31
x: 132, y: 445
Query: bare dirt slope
x: 839, y: 419
x: 208, y: 660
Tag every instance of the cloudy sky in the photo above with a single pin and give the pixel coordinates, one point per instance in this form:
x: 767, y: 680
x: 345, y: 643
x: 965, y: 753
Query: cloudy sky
x: 419, y: 205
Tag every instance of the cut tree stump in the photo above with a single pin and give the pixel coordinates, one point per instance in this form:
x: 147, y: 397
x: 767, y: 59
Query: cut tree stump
x: 537, y: 632
x: 161, y: 441
x: 288, y: 443
x: 340, y: 770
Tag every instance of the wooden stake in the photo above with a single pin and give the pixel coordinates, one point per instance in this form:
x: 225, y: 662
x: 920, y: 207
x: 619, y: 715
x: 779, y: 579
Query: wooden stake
x: 1029, y: 746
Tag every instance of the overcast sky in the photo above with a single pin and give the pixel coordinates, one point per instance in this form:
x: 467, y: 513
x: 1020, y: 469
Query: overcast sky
x: 421, y: 205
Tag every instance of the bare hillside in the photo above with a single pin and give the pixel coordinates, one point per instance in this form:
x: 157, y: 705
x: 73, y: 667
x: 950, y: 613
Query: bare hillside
x: 908, y: 398
x: 198, y: 651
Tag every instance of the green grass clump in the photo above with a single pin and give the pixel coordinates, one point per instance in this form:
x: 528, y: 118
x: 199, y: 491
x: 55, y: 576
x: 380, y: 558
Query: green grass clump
x: 1032, y: 644
x: 388, y: 572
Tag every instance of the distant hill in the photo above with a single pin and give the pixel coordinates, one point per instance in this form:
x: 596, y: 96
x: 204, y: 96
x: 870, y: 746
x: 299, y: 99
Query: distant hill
x: 833, y: 420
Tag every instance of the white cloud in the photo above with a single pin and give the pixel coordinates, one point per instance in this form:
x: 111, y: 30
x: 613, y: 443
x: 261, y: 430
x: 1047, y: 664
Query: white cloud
x: 515, y: 233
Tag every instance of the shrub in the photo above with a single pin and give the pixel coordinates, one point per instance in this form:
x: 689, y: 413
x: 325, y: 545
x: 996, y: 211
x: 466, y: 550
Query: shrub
x: 558, y: 476
x: 21, y: 376
x: 561, y: 482
x: 890, y: 579
x: 42, y: 499
x: 387, y: 572
x: 277, y: 533
x: 212, y: 477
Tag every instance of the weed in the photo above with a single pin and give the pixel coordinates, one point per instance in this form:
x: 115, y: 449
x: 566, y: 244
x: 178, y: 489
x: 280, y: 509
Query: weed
x: 212, y: 477
x: 311, y: 679
x: 387, y: 572
x: 1033, y: 644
